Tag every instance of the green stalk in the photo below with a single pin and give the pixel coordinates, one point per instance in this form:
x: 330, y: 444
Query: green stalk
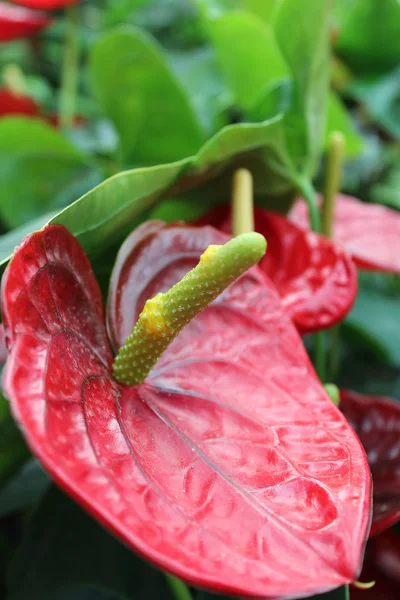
x: 178, y: 588
x: 334, y: 166
x: 69, y: 80
x: 165, y: 315
x: 242, y: 202
x: 306, y: 188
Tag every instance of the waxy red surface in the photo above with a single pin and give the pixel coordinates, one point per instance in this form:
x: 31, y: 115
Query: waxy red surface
x: 315, y: 278
x: 14, y: 104
x: 18, y: 22
x: 376, y: 420
x: 230, y: 466
x: 369, y: 232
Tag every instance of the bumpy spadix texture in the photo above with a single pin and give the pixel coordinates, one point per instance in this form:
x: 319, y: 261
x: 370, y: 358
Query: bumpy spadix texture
x: 229, y: 466
x: 165, y: 315
x: 315, y: 278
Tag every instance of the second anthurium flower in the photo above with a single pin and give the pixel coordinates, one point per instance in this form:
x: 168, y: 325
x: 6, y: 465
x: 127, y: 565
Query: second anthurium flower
x: 229, y: 466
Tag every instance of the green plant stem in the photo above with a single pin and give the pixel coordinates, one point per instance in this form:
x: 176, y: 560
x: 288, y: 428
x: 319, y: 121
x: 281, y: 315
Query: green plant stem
x: 178, y: 588
x: 334, y: 165
x: 165, y: 315
x: 69, y: 81
x: 306, y: 188
x: 242, y: 202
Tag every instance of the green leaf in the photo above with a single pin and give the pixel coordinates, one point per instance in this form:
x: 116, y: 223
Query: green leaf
x: 338, y: 119
x: 37, y: 165
x: 264, y: 9
x: 104, y: 215
x: 369, y: 37
x: 249, y: 56
x: 138, y: 91
x: 24, y: 490
x: 198, y: 73
x: 302, y: 31
x: 381, y: 99
x: 375, y: 316
x: 13, y: 450
x: 64, y: 552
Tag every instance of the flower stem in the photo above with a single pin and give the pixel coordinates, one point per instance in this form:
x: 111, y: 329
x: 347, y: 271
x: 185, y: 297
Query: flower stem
x: 69, y: 81
x: 165, y: 315
x: 306, y: 188
x: 334, y: 165
x: 242, y: 202
x: 333, y: 174
x: 178, y: 588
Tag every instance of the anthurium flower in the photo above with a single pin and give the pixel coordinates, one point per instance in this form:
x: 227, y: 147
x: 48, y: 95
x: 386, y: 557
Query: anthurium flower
x: 315, y: 278
x: 46, y: 4
x: 377, y: 251
x: 229, y: 466
x: 376, y: 420
x: 18, y: 22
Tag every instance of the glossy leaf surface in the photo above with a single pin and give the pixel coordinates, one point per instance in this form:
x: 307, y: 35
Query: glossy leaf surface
x: 162, y: 124
x: 376, y: 420
x: 17, y: 22
x: 101, y: 216
x: 301, y: 28
x: 315, y: 278
x: 369, y: 232
x: 240, y: 40
x: 37, y: 166
x: 259, y: 494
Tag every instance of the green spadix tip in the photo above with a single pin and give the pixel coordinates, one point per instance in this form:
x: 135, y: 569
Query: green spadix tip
x: 165, y: 315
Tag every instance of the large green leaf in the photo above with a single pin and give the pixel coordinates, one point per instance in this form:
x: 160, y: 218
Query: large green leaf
x: 139, y: 92
x: 369, y: 37
x: 37, y: 166
x: 198, y: 72
x: 249, y: 56
x: 104, y: 215
x: 338, y: 119
x: 262, y: 8
x: 64, y: 552
x: 302, y: 30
